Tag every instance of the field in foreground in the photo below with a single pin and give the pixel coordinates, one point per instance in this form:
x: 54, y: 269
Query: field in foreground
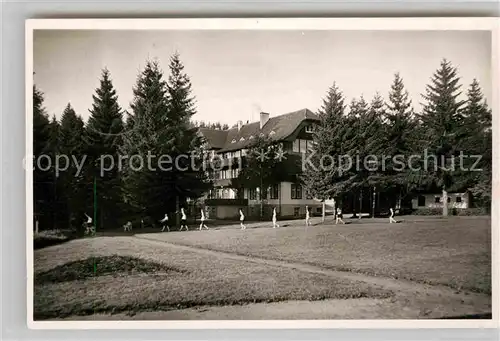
x: 367, y: 270
x: 75, y: 279
x: 455, y: 252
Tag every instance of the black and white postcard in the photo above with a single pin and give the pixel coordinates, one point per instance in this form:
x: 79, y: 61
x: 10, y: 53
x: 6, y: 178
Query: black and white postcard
x: 261, y: 173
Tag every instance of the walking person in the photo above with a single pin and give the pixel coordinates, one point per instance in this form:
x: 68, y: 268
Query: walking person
x: 164, y: 221
x: 339, y: 216
x: 203, y: 218
x: 89, y: 229
x: 275, y: 223
x: 391, y: 217
x: 183, y: 220
x: 242, y: 220
x: 308, y: 218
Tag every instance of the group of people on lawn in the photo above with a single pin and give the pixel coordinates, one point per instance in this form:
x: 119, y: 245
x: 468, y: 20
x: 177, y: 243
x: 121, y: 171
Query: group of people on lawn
x: 128, y: 226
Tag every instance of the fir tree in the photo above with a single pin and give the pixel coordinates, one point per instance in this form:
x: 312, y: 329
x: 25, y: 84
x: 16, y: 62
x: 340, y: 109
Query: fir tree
x: 162, y: 114
x: 355, y: 147
x: 399, y: 140
x: 71, y: 142
x: 41, y: 179
x: 476, y: 139
x: 192, y: 182
x: 441, y: 121
x: 104, y: 137
x: 322, y: 176
x: 55, y: 188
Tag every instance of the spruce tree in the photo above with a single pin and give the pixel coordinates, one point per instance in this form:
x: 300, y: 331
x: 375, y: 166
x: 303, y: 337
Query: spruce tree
x: 41, y: 179
x: 192, y: 182
x: 440, y: 122
x: 476, y: 140
x: 355, y: 145
x: 161, y: 119
x: 55, y: 188
x: 104, y: 137
x: 399, y: 141
x: 323, y: 176
x: 71, y: 142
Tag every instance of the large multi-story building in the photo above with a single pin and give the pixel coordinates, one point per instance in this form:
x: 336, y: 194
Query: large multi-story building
x: 294, y: 132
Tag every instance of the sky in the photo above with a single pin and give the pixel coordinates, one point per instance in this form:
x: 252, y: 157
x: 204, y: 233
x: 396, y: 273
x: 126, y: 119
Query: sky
x: 237, y: 74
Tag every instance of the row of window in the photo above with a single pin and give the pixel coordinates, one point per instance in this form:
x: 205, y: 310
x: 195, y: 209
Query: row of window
x: 226, y: 174
x: 251, y: 137
x: 302, y: 146
x: 296, y: 193
x: 296, y: 211
x: 273, y: 192
x: 298, y: 146
x: 437, y: 200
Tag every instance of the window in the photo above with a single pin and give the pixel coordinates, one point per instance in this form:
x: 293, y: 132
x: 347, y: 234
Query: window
x: 264, y: 194
x: 272, y: 133
x: 242, y: 139
x: 309, y: 129
x: 296, y: 191
x: 234, y: 173
x: 449, y: 200
x: 437, y: 200
x: 302, y: 146
x: 296, y: 211
x: 233, y: 141
x: 251, y: 137
x: 274, y: 192
x: 458, y: 199
x: 310, y: 146
x: 421, y: 200
x: 252, y: 194
x: 318, y: 210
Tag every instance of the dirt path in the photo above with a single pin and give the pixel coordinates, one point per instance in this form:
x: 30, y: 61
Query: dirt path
x: 411, y: 298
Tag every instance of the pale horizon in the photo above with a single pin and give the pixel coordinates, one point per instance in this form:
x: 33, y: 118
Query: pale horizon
x: 237, y: 74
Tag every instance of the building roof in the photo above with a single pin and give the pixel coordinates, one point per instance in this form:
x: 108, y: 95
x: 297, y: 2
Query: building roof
x: 277, y: 128
x: 215, y: 138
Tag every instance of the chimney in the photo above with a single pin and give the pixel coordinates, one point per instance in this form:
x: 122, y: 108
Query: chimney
x: 264, y: 117
x: 240, y: 124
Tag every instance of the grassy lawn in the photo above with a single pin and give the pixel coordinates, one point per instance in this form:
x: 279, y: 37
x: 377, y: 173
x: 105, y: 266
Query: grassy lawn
x: 127, y: 274
x: 455, y: 251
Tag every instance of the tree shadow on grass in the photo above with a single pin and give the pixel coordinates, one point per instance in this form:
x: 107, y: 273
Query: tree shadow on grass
x: 100, y: 266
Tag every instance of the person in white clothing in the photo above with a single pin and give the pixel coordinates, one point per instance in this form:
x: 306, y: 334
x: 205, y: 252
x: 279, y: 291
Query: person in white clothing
x: 203, y: 218
x: 391, y: 217
x: 164, y: 221
x: 89, y: 229
x: 183, y: 220
x: 339, y: 216
x: 242, y: 220
x: 275, y: 224
x: 127, y: 226
x: 308, y: 218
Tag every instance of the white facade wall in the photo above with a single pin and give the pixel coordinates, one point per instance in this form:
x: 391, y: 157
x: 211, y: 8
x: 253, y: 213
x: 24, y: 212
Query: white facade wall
x: 430, y: 201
